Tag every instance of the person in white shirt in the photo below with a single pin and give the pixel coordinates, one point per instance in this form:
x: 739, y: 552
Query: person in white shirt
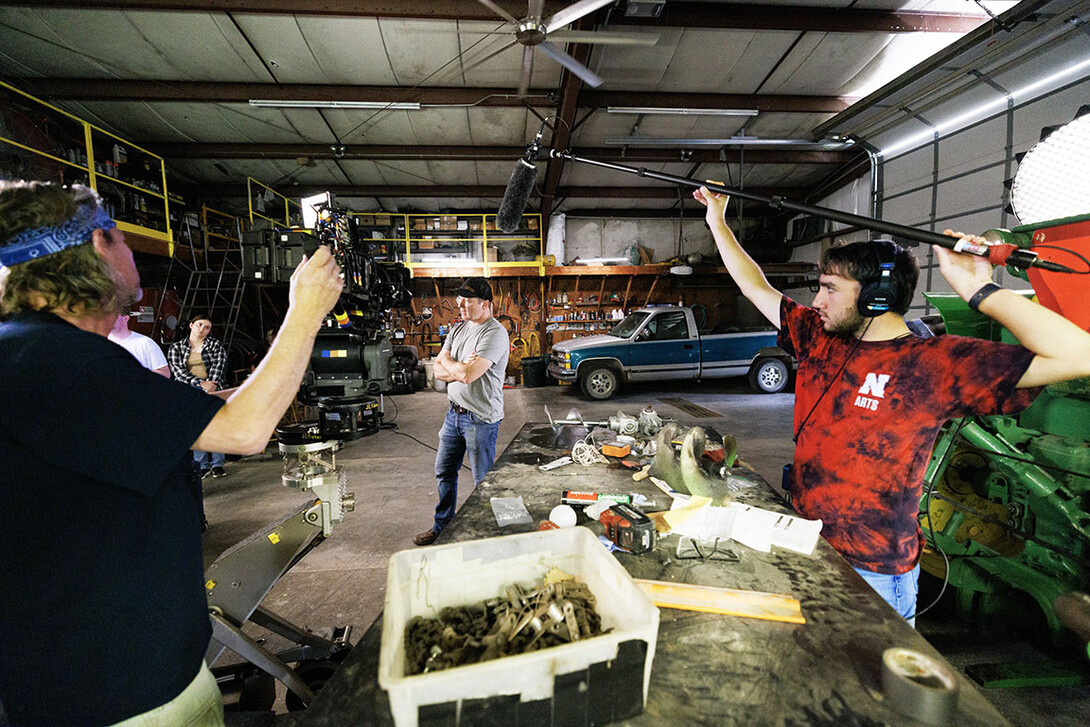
x: 143, y: 348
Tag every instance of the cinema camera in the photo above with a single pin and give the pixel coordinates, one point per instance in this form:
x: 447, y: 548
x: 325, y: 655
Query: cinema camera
x: 348, y: 373
x: 349, y: 368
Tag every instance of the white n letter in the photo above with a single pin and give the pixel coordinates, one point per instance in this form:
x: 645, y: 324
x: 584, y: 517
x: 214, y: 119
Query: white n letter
x: 875, y: 385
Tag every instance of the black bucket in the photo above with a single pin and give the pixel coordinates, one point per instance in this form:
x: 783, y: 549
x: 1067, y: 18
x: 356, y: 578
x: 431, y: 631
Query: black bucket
x: 534, y: 371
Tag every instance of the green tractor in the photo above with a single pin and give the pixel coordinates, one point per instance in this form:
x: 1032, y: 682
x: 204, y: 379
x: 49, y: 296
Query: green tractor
x: 1006, y: 502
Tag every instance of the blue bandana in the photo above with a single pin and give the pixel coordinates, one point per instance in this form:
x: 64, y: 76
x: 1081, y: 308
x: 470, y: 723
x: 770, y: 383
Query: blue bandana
x: 42, y: 241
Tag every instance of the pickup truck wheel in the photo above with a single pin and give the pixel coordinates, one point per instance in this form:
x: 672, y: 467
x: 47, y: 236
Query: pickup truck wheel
x: 768, y: 376
x: 599, y: 383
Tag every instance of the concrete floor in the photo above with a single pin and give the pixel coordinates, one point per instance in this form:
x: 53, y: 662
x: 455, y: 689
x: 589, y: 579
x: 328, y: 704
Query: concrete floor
x: 343, y: 580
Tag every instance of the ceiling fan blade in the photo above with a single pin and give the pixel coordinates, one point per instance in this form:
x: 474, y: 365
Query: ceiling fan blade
x: 527, y: 69
x: 573, y: 12
x: 499, y: 11
x: 600, y: 38
x: 588, y: 76
x: 488, y: 57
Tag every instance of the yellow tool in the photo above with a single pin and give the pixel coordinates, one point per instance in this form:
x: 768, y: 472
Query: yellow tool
x: 750, y: 604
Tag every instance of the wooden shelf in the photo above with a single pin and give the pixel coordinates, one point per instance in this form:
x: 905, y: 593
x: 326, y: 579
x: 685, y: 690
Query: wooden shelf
x: 130, y: 180
x: 660, y: 269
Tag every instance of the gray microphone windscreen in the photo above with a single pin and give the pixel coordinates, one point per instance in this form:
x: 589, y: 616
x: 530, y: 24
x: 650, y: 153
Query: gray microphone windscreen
x: 516, y: 197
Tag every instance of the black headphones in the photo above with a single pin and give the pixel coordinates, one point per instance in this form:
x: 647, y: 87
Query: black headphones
x: 879, y: 295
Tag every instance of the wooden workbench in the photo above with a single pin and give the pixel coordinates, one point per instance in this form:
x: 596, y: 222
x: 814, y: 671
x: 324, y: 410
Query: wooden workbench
x: 708, y: 669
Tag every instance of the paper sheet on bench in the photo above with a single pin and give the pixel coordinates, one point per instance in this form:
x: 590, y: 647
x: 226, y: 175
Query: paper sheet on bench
x: 751, y: 526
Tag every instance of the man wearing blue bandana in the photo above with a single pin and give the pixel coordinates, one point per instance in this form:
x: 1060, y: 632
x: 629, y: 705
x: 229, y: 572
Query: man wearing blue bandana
x: 101, y: 546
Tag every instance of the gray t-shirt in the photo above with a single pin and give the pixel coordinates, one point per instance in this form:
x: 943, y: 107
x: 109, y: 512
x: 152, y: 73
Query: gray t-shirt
x: 483, y: 397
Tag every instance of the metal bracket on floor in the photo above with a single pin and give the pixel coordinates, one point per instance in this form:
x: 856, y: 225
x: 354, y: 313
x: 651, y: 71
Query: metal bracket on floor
x: 232, y: 637
x: 239, y: 581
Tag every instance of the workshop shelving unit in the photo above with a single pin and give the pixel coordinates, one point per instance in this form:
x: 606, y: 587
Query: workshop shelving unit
x: 462, y: 245
x: 222, y: 231
x: 42, y: 142
x: 385, y: 231
x: 576, y: 309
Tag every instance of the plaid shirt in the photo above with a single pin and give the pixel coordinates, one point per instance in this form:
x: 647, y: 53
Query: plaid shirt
x: 213, y: 354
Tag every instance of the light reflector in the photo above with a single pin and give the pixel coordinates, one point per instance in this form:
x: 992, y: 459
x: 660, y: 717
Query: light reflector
x: 1053, y: 179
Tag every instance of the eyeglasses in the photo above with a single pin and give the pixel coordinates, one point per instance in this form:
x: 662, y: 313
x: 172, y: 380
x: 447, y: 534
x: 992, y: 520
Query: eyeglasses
x: 689, y: 549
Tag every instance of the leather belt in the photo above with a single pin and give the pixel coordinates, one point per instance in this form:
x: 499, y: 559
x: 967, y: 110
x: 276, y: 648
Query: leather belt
x: 459, y: 409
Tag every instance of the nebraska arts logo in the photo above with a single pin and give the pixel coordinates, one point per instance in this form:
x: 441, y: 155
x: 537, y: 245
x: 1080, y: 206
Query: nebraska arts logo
x: 872, y: 390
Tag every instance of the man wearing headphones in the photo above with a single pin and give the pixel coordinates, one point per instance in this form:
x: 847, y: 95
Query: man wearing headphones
x: 871, y: 396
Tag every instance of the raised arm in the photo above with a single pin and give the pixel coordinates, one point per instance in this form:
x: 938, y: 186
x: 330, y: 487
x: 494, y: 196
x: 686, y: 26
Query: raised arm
x: 1062, y: 349
x: 746, y: 273
x: 246, y: 421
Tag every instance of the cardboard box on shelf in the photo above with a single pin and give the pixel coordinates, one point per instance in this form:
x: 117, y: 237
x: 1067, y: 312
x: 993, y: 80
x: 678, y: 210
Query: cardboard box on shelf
x: 531, y: 223
x: 382, y: 219
x: 419, y: 224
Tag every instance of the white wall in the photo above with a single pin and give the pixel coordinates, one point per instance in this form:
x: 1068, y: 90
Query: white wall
x: 594, y: 237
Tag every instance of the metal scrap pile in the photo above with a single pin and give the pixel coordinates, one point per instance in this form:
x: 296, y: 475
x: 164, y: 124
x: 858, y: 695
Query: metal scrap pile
x: 559, y: 612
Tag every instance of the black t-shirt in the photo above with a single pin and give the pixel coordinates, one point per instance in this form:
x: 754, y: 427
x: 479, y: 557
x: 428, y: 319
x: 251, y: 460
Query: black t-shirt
x: 103, y: 613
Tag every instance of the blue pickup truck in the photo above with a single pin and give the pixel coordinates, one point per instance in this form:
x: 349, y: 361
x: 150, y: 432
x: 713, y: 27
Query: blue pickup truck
x: 664, y: 343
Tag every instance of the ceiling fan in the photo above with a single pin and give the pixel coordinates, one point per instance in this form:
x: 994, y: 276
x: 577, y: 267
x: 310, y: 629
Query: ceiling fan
x: 533, y: 31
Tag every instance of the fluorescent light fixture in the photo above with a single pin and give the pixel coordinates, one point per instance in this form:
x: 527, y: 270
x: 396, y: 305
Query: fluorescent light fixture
x: 732, y: 141
x: 302, y: 104
x: 603, y: 261
x: 982, y: 111
x: 660, y: 111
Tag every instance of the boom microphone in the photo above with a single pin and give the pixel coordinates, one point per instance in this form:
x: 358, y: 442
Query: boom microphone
x: 519, y: 187
x: 997, y: 254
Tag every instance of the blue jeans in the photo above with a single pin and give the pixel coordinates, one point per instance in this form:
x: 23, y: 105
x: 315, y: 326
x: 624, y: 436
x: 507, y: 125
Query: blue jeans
x: 898, y: 591
x: 461, y: 434
x: 204, y: 458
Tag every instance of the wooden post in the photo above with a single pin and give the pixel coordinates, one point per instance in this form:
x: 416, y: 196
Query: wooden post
x: 651, y: 292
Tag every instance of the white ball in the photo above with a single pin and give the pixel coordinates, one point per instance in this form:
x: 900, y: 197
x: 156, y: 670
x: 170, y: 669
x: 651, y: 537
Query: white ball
x: 563, y: 515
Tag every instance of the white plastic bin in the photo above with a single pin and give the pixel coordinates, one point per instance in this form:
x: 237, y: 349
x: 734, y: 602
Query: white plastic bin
x: 597, y: 680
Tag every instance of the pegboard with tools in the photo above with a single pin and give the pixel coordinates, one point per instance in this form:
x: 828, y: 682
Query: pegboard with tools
x: 433, y: 311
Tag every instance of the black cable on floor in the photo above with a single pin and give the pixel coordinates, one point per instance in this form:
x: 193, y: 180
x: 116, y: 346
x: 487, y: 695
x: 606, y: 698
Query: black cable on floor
x: 395, y: 430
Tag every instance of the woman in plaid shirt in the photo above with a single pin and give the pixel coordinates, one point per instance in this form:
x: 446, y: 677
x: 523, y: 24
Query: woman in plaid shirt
x: 201, y: 360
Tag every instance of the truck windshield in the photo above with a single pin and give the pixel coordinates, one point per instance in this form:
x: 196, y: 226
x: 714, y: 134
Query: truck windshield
x: 628, y: 326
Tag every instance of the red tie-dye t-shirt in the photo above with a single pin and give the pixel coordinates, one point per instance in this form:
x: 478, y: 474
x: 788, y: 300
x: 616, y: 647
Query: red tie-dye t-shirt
x: 861, y: 456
